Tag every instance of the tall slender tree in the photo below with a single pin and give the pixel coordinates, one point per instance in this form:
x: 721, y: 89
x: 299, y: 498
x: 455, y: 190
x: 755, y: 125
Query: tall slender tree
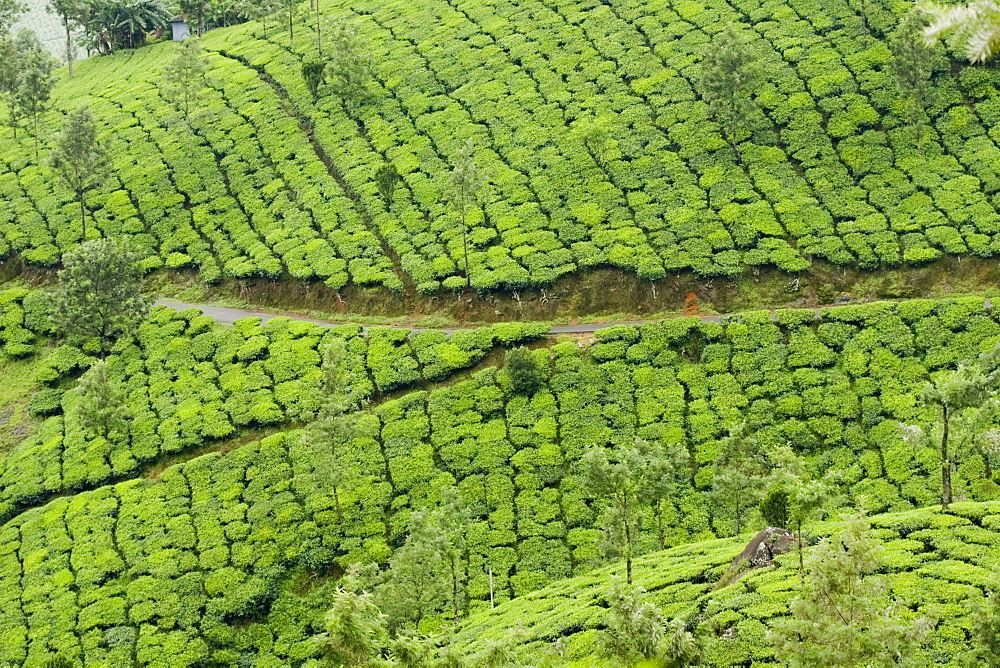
x: 71, y: 15
x: 349, y: 63
x: 37, y: 80
x: 467, y: 180
x: 948, y: 396
x: 186, y: 76
x: 80, y: 159
x: 912, y: 61
x: 729, y: 75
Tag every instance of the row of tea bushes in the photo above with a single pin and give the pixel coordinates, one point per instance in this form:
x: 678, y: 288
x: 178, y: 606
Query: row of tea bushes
x: 188, y: 383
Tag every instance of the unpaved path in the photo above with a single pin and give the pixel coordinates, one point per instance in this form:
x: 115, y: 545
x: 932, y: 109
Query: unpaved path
x: 230, y: 315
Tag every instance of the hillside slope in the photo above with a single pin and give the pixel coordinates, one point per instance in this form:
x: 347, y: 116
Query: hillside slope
x: 272, y: 183
x: 937, y: 563
x: 105, y: 556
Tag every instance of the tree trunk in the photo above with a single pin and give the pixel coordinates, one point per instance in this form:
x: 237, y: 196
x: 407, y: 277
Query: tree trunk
x: 290, y: 34
x: 798, y: 538
x: 454, y: 590
x: 491, y: 589
x: 987, y: 467
x: 659, y: 523
x: 319, y: 36
x: 336, y: 502
x: 945, y: 464
x: 69, y: 47
x: 465, y: 245
x: 83, y: 215
x: 628, y: 540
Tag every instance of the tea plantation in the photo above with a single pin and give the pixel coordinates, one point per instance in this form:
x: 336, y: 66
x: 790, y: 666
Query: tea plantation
x: 937, y: 563
x: 177, y: 491
x: 206, y: 560
x: 587, y: 119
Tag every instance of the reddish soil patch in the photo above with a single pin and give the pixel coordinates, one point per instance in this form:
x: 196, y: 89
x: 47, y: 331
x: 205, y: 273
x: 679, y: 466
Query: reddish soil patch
x: 691, y: 304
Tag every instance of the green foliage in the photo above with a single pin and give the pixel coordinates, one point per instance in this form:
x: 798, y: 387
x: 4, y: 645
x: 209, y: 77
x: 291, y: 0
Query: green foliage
x: 522, y: 371
x: 353, y: 629
x: 386, y: 180
x: 912, y: 62
x: 774, y: 508
x: 79, y: 159
x: 100, y: 293
x: 186, y: 76
x: 843, y: 615
x: 314, y: 74
x: 10, y: 10
x: 729, y: 76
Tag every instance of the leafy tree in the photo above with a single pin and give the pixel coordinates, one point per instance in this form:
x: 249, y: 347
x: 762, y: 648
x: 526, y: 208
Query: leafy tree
x: 99, y: 295
x: 729, y: 76
x: 467, y: 180
x: 110, y: 25
x: 413, y: 585
x: 668, y: 472
x: 11, y: 74
x: 334, y: 426
x: 194, y: 11
x: 840, y: 617
x: 102, y: 408
x: 774, y: 508
x: 349, y: 68
x: 259, y: 10
x: 386, y: 180
x: 738, y: 474
x: 313, y: 73
x: 636, y: 631
x: 79, y: 158
x: 973, y: 28
x: 72, y: 15
x: 793, y: 496
x: 619, y: 484
x: 10, y: 12
x: 354, y: 632
x: 965, y: 388
x: 985, y: 619
x: 452, y: 520
x: 912, y: 62
x: 37, y: 80
x: 523, y: 371
x: 187, y: 74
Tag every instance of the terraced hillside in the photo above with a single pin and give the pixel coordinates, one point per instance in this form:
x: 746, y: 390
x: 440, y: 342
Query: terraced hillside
x: 272, y: 183
x: 106, y: 557
x: 938, y: 563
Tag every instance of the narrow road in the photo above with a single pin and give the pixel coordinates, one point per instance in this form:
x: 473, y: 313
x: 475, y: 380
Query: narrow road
x: 231, y: 315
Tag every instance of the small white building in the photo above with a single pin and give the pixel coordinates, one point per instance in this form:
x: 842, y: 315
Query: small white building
x: 180, y: 30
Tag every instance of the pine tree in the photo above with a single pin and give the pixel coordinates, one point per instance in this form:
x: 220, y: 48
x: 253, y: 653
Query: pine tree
x: 728, y: 77
x: 80, y: 159
x: 636, y: 631
x: 842, y: 614
x: 951, y: 395
x: 973, y: 27
x: 354, y: 632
